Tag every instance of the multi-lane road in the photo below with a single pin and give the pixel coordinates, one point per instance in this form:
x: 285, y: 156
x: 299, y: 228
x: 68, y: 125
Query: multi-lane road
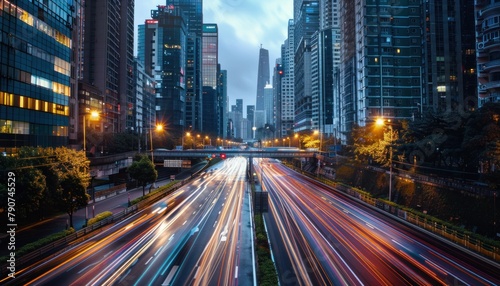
x: 332, y: 240
x: 202, y: 235
x: 193, y: 237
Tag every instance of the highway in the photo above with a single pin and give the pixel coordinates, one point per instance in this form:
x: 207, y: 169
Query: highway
x: 331, y: 239
x: 193, y: 237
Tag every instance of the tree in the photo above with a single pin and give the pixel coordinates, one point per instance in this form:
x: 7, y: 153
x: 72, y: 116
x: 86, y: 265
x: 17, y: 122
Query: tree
x: 31, y: 185
x: 72, y: 193
x: 144, y: 172
x: 309, y: 141
x: 71, y: 169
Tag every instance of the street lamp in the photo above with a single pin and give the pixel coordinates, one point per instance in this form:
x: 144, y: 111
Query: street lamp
x: 380, y: 122
x: 93, y: 114
x: 158, y: 127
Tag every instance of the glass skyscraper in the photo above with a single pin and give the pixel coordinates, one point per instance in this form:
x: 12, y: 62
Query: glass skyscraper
x: 35, y: 73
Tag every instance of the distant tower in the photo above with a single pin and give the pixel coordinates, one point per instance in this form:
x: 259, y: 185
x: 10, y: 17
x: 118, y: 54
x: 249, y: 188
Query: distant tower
x: 263, y: 77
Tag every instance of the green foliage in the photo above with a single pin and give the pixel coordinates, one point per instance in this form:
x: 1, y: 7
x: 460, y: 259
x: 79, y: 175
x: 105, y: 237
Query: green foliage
x: 267, y: 271
x: 30, y: 247
x: 310, y: 141
x: 99, y: 217
x: 56, y: 179
x: 143, y: 171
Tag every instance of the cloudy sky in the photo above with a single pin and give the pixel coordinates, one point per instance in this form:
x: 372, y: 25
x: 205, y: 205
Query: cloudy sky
x: 243, y: 26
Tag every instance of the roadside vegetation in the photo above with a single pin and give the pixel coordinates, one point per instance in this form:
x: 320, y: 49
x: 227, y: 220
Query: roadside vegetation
x: 267, y: 275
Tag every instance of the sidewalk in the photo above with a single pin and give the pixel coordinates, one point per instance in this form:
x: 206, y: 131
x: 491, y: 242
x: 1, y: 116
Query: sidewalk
x: 115, y: 204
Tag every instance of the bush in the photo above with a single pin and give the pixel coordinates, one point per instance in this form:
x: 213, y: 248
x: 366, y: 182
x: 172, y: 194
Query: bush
x: 30, y: 247
x: 99, y: 217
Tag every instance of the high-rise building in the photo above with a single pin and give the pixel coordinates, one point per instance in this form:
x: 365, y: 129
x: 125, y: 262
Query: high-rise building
x: 263, y: 77
x: 325, y: 59
x: 144, y: 113
x: 35, y: 75
x: 449, y: 76
x: 306, y: 19
x: 382, y: 61
x: 108, y: 59
x: 239, y: 105
x: 269, y: 104
x: 193, y: 73
x: 287, y: 102
x: 277, y: 77
x: 223, y: 102
x: 251, y: 120
x: 488, y: 51
x: 165, y: 58
x: 210, y: 65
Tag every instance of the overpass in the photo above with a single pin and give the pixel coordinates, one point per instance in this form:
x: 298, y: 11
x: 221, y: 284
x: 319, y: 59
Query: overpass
x: 108, y: 165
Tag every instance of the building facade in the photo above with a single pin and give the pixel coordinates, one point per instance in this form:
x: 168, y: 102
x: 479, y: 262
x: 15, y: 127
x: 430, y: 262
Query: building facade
x: 263, y: 77
x: 194, y: 99
x: 165, y: 59
x: 488, y: 50
x: 210, y: 75
x: 108, y: 58
x: 35, y: 75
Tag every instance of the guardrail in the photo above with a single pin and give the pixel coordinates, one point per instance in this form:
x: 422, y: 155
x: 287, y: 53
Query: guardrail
x: 453, y: 234
x: 50, y: 250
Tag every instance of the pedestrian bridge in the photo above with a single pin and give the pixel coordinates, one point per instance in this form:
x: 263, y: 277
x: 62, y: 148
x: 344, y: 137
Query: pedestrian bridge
x: 108, y: 165
x: 160, y: 155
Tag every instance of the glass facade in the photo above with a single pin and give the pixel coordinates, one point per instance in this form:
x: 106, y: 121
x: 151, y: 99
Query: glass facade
x: 35, y: 55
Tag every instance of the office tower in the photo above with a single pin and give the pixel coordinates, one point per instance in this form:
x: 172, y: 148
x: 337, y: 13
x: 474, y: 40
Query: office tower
x: 193, y: 73
x: 287, y: 113
x: 449, y: 64
x: 108, y: 59
x: 488, y: 51
x: 239, y: 105
x: 325, y: 58
x: 269, y: 104
x: 347, y: 75
x: 277, y: 77
x: 35, y: 74
x: 251, y: 120
x: 306, y: 19
x: 223, y: 102
x: 263, y: 77
x: 235, y: 119
x: 165, y: 59
x: 210, y: 51
x: 382, y: 62
x: 144, y: 113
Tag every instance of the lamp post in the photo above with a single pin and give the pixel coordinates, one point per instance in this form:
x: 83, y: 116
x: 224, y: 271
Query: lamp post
x: 381, y: 122
x: 93, y: 114
x: 253, y: 129
x: 158, y: 127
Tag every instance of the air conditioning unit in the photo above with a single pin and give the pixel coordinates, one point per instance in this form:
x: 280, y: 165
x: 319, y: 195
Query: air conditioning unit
x: 480, y: 45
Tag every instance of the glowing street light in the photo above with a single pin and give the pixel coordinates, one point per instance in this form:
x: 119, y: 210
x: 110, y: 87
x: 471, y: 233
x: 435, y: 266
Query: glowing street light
x: 381, y: 122
x: 94, y: 115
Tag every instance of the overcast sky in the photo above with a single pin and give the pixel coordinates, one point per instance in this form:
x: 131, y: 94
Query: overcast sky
x: 243, y: 26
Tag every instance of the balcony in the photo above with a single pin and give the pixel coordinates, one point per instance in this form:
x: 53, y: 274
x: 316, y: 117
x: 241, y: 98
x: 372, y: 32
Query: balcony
x: 488, y: 66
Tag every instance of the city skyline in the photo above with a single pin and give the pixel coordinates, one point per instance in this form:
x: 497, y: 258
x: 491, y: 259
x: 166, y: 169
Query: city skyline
x: 243, y: 27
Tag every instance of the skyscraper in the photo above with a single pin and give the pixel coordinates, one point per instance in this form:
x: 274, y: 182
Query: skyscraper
x: 223, y: 102
x: 165, y: 58
x: 287, y: 103
x: 35, y: 74
x: 108, y: 59
x: 488, y: 51
x: 449, y: 63
x: 263, y: 77
x: 382, y: 61
x: 210, y: 53
x: 193, y: 73
x: 306, y: 18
